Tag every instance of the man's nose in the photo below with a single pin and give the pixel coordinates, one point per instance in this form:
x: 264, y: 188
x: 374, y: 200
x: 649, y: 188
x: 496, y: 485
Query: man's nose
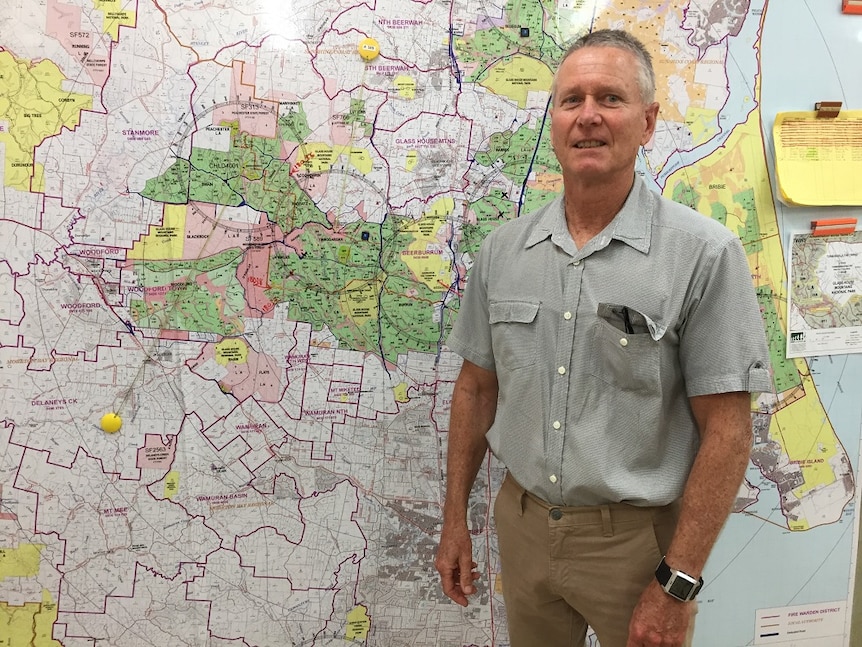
x: 590, y: 112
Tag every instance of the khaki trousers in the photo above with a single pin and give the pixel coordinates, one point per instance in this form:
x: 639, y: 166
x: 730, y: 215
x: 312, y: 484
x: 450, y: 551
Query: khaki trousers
x: 566, y: 568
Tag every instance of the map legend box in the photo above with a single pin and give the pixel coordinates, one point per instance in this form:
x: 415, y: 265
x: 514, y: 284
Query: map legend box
x: 821, y: 624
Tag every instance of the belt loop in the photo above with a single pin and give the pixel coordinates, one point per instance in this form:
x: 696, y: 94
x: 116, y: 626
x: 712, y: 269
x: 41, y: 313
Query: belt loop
x: 521, y: 496
x: 607, y: 527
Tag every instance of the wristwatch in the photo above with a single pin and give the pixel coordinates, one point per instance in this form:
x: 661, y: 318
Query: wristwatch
x: 676, y: 583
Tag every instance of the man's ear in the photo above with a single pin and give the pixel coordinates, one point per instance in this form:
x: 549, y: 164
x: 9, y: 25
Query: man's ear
x: 651, y: 116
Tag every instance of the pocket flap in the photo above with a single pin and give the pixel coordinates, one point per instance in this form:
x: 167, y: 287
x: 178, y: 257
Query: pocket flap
x: 512, y: 311
x: 616, y: 315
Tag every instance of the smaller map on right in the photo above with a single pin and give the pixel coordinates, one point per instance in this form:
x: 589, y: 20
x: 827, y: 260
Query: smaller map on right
x: 825, y: 296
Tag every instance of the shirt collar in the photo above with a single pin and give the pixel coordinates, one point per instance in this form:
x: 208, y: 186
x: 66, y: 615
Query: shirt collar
x: 632, y: 225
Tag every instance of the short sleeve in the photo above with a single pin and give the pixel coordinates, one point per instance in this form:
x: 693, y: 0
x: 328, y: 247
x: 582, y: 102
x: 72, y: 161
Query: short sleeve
x: 723, y: 341
x: 471, y: 335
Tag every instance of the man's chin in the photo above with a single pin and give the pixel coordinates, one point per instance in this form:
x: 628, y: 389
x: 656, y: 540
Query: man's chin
x: 589, y: 157
x: 585, y: 169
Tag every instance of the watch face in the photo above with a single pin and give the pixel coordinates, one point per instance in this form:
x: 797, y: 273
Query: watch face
x: 680, y: 587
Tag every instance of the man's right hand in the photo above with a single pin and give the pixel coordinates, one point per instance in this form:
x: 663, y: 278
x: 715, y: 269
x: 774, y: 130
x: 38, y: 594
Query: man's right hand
x: 455, y: 563
x: 474, y: 405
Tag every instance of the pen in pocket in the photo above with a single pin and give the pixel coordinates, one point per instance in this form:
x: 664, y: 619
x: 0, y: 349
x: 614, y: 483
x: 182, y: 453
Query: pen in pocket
x: 627, y: 321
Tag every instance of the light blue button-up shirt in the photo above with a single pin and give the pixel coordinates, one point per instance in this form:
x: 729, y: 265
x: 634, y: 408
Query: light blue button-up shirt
x: 598, y: 349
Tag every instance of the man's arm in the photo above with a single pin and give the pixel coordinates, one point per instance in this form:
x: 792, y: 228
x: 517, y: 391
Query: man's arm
x: 474, y: 405
x: 724, y: 421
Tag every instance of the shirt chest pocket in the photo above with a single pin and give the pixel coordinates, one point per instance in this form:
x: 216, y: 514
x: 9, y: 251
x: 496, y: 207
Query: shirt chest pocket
x: 513, y: 332
x: 624, y: 352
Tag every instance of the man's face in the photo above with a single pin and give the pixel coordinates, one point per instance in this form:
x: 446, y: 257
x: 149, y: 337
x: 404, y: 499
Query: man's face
x: 598, y: 118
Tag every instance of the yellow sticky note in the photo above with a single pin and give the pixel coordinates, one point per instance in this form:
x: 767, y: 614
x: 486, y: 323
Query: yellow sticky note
x: 818, y: 161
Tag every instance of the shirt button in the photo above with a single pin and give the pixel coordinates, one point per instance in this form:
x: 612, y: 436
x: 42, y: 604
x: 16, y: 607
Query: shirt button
x: 557, y: 424
x: 624, y: 342
x: 567, y: 315
x: 556, y: 514
x: 561, y: 370
x: 552, y: 478
x: 576, y: 263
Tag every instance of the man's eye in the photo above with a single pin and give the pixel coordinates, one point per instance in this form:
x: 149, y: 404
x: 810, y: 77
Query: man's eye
x: 612, y: 98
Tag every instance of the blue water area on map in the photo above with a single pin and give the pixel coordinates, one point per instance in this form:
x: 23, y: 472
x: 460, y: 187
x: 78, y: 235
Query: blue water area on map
x: 808, y: 55
x: 758, y: 563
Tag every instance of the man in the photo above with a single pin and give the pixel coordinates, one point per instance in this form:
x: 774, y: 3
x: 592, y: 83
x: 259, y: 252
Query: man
x: 610, y: 343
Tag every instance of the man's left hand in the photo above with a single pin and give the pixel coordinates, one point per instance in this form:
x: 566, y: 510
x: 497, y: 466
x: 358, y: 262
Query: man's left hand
x: 659, y: 620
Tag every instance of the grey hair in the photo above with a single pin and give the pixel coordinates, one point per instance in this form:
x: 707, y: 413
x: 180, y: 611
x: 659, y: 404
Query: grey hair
x: 621, y: 40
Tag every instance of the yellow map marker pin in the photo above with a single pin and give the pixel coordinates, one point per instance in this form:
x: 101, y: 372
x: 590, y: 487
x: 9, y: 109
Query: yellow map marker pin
x: 111, y: 423
x: 369, y: 49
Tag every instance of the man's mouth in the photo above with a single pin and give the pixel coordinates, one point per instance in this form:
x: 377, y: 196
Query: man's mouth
x: 589, y: 144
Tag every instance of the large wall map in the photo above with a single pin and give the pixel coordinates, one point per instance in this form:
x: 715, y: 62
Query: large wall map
x: 222, y: 223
